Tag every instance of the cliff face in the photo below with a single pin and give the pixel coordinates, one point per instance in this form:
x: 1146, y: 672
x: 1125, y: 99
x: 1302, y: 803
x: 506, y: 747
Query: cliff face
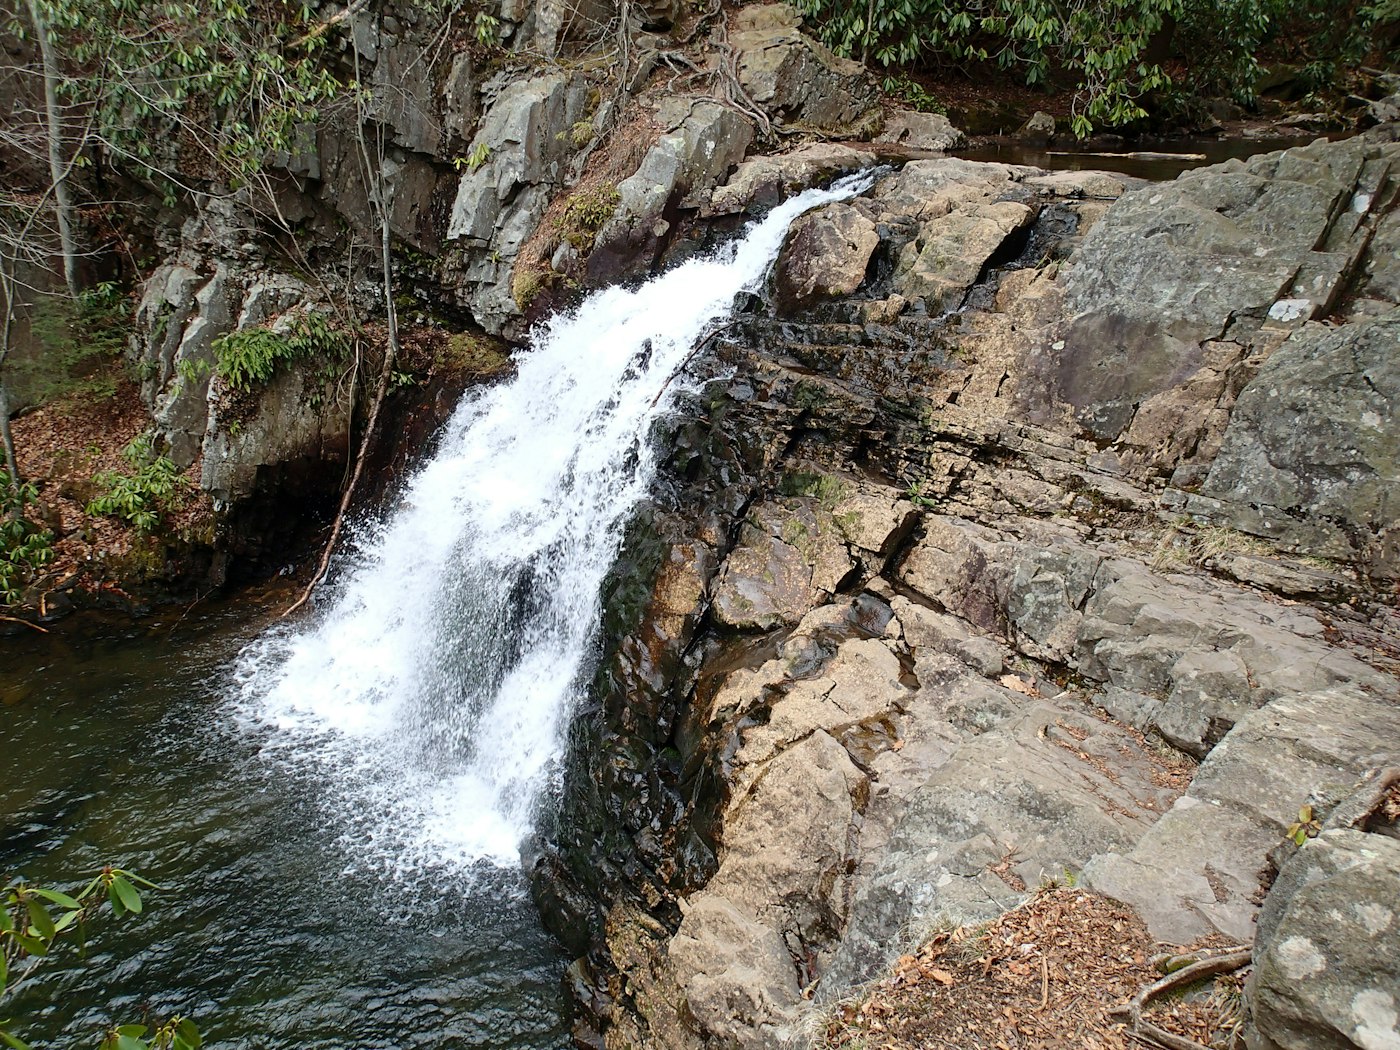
x: 582, y: 150
x: 1046, y: 525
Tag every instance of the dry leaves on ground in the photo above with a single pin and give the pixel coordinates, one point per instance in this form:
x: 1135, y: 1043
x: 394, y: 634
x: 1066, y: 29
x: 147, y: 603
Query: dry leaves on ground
x: 1047, y: 974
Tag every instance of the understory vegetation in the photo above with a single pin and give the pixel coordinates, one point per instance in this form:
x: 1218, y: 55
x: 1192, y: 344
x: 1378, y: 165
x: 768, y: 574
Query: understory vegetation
x: 37, y: 921
x: 1118, y: 54
x: 251, y: 357
x: 141, y: 495
x: 24, y: 547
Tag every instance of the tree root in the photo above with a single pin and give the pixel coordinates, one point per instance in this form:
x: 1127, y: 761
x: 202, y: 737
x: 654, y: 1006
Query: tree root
x: 1145, y: 1031
x: 16, y: 619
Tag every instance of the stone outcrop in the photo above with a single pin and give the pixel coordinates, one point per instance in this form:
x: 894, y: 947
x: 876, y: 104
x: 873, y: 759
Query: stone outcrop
x: 522, y: 145
x: 480, y: 167
x: 1113, y: 608
x: 1326, y: 969
x: 796, y: 80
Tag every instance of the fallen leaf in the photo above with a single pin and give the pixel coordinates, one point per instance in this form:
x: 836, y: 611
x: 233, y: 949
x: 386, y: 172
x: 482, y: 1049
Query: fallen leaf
x: 1018, y: 684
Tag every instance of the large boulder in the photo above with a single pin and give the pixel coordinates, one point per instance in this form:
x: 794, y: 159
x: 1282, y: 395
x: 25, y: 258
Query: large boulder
x: 796, y: 80
x: 702, y: 142
x: 1327, y: 959
x: 826, y: 254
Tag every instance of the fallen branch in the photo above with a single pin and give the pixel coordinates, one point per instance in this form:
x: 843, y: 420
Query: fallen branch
x: 379, y: 394
x: 16, y: 619
x: 321, y: 28
x: 703, y: 344
x: 1145, y: 1031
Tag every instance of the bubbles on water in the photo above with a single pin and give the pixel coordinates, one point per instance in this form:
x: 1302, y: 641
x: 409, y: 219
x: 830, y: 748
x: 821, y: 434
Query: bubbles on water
x: 424, y: 706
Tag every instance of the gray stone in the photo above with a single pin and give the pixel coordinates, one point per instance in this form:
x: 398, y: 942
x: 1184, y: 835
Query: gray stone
x: 921, y: 131
x: 826, y: 254
x: 1327, y: 961
x: 1039, y: 130
x: 1311, y: 446
x: 790, y: 556
x: 179, y: 410
x: 1028, y: 796
x: 1222, y: 243
x: 1198, y: 869
x: 705, y: 141
x: 795, y: 79
x: 761, y: 182
x: 500, y: 203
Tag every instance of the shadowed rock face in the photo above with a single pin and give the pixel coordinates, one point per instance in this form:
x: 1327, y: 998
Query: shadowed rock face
x: 1008, y: 664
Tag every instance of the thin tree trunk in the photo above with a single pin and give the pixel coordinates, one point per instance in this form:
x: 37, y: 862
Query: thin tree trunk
x: 7, y: 289
x: 63, y: 198
x: 5, y: 435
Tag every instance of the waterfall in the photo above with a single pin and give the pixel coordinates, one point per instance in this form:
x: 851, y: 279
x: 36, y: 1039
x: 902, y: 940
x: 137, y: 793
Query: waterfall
x: 427, y: 699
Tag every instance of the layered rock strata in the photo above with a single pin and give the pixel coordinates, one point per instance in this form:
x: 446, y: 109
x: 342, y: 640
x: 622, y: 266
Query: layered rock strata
x: 1045, y: 529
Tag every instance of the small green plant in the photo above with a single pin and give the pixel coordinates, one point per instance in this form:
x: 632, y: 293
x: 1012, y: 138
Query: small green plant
x: 475, y: 158
x: 527, y: 282
x: 585, y: 213
x: 912, y: 93
x: 826, y: 489
x: 486, y: 28
x: 24, y: 547
x: 36, y: 920
x: 474, y: 354
x: 138, y: 498
x: 79, y: 343
x: 251, y: 357
x: 915, y: 494
x: 191, y: 371
x: 581, y: 134
x: 1307, y: 826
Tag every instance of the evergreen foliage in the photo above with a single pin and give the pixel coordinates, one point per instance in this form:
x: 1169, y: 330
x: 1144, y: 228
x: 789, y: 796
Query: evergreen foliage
x: 249, y: 358
x: 139, y: 497
x: 1105, y: 44
x: 24, y: 547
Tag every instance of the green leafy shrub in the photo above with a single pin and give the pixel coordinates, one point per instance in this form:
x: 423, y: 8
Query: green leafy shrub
x: 251, y: 357
x: 1102, y: 42
x: 24, y: 547
x: 78, y: 345
x: 138, y: 498
x: 36, y: 920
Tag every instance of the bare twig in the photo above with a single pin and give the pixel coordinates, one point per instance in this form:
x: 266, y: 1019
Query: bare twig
x: 16, y: 619
x: 1143, y: 1030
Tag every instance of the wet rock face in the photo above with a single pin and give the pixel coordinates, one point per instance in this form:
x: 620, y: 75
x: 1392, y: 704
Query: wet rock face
x: 950, y: 634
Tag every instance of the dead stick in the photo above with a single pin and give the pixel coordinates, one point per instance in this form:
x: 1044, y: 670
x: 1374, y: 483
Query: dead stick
x: 15, y: 619
x: 1146, y: 1030
x: 379, y: 394
x: 1186, y: 975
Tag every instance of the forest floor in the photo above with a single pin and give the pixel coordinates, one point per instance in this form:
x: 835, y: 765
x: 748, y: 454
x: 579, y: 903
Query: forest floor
x: 67, y: 446
x: 1056, y: 972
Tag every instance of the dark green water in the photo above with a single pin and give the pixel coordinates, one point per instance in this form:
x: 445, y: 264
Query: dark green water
x: 120, y: 745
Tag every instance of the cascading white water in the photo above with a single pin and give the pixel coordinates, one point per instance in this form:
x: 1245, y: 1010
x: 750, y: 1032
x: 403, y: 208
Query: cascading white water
x: 430, y: 698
